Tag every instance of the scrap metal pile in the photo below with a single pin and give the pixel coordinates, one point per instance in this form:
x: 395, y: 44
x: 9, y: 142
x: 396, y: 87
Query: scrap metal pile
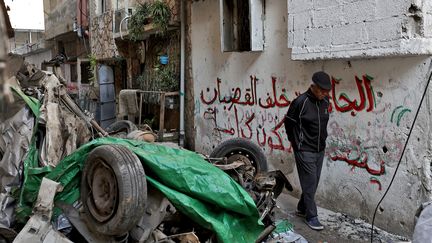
x: 95, y: 186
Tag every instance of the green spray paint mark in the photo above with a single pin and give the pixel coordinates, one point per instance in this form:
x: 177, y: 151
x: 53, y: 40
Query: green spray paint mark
x: 374, y: 98
x: 400, y: 115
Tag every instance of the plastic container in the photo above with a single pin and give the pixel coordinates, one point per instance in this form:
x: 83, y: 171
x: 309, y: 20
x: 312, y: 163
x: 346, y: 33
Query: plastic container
x: 163, y: 59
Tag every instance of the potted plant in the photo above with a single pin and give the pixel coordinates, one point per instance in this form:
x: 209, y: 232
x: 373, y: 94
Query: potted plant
x: 161, y: 15
x: 157, y: 13
x: 163, y: 58
x: 140, y: 18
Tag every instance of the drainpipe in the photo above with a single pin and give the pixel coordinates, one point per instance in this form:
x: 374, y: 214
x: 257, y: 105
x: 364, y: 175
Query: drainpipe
x: 182, y: 71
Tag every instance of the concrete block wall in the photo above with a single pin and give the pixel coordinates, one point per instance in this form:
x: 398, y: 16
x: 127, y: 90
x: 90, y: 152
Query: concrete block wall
x: 356, y: 29
x: 427, y: 17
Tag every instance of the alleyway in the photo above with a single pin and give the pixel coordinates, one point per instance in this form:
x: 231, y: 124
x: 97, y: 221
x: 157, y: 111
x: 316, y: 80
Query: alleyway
x: 338, y: 227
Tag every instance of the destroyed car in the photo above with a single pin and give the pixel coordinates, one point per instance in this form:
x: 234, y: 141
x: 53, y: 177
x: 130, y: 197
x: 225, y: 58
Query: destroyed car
x: 109, y: 189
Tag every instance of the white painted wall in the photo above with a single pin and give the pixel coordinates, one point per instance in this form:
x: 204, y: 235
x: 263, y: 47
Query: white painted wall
x: 39, y: 57
x: 396, y: 86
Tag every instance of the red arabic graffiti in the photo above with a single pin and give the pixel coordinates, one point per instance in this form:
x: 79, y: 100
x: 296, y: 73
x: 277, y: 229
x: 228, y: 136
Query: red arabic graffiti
x: 354, y: 105
x: 268, y: 128
x: 360, y: 162
x: 374, y: 180
x: 279, y: 145
x: 249, y: 98
x: 243, y: 128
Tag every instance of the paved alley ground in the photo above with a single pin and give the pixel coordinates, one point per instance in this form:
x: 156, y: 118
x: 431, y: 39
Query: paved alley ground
x: 338, y: 227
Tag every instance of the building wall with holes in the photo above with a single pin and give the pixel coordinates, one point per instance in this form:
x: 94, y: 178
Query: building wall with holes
x: 373, y: 104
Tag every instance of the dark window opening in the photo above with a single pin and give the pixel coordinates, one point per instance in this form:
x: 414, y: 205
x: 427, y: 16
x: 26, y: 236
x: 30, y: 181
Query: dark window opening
x: 242, y: 25
x: 85, y: 72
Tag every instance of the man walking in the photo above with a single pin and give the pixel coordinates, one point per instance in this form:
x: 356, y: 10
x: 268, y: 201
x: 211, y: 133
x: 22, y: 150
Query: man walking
x: 306, y: 127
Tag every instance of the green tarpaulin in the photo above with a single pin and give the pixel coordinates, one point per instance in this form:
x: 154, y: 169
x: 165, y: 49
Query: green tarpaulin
x: 196, y: 188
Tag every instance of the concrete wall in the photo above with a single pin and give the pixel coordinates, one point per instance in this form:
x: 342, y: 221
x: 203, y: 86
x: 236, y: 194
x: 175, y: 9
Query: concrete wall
x: 59, y: 17
x: 373, y: 105
x: 37, y: 58
x: 371, y: 28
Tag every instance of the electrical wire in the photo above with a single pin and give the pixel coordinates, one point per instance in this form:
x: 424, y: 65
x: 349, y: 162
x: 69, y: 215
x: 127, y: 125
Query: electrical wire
x: 403, y: 151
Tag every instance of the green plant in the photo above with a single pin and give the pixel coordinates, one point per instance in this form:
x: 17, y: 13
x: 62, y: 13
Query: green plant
x: 149, y: 121
x: 165, y: 79
x: 161, y: 15
x: 157, y: 12
x: 140, y: 18
x: 92, y: 69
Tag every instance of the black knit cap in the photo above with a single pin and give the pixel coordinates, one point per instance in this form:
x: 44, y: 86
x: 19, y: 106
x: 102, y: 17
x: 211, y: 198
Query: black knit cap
x: 322, y: 79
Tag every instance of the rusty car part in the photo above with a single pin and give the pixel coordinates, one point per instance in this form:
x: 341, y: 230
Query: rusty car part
x: 267, y: 231
x: 113, y: 190
x: 121, y: 128
x: 231, y: 166
x: 240, y: 149
x: 103, y: 197
x: 157, y: 209
x: 265, y: 189
x: 246, y: 163
x: 77, y: 221
x: 189, y: 237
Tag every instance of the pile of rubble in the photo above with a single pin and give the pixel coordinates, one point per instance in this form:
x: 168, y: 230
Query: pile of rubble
x: 64, y: 178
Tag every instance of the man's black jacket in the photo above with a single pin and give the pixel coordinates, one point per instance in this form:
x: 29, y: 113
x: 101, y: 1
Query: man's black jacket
x: 306, y: 122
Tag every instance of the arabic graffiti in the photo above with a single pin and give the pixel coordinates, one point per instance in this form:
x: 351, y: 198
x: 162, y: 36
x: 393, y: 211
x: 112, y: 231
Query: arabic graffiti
x: 242, y: 126
x: 360, y: 161
x: 252, y: 113
x: 353, y: 105
x: 399, y: 116
x: 250, y: 96
x: 368, y: 148
x: 375, y: 180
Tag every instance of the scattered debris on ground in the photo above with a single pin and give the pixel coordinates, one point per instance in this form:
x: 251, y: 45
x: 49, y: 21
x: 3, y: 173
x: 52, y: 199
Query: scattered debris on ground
x: 357, y: 229
x: 338, y: 227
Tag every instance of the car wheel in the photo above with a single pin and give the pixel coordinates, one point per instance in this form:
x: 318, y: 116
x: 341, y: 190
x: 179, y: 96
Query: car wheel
x: 121, y: 128
x: 113, y: 190
x: 240, y: 149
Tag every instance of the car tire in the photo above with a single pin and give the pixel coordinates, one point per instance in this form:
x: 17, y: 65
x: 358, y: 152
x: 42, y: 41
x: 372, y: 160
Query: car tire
x: 113, y: 190
x: 245, y: 147
x: 121, y: 128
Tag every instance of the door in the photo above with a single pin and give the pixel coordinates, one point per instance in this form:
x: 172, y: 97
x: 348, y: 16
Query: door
x: 107, y: 95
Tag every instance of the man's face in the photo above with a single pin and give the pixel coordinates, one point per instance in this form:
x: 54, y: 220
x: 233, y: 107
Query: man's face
x: 319, y: 92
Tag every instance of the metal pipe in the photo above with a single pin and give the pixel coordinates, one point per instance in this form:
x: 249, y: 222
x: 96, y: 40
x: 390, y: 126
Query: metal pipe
x: 265, y: 233
x: 182, y: 72
x: 67, y: 100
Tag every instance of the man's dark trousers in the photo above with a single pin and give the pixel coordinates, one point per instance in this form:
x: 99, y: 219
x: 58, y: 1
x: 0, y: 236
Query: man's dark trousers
x: 309, y: 166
